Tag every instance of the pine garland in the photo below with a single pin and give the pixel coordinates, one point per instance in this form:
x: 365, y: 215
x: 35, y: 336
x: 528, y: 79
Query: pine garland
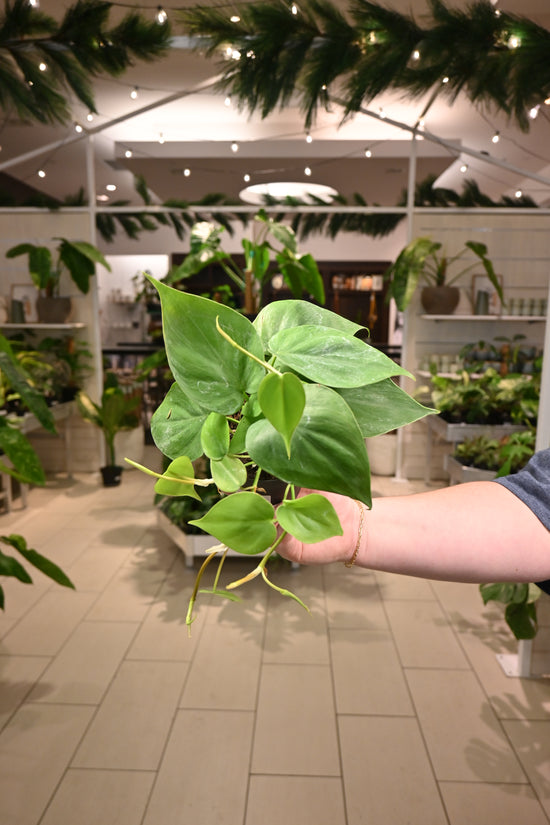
x: 74, y: 51
x: 495, y: 58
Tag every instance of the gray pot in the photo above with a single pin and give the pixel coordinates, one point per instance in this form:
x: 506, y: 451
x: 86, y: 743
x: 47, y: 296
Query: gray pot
x: 53, y: 310
x: 440, y: 300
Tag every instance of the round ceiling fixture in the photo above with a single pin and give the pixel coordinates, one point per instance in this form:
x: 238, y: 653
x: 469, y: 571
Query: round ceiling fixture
x: 307, y: 192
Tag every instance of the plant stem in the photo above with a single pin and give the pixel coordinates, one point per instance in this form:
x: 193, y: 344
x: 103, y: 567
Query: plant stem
x: 201, y: 482
x: 233, y: 343
x: 189, y: 617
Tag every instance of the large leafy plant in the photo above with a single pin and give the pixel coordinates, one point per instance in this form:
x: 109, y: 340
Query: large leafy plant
x: 78, y: 258
x: 274, y: 249
x: 293, y: 394
x: 116, y: 411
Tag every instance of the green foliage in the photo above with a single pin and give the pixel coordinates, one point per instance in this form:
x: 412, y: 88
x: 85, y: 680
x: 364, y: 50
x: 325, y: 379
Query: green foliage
x: 367, y: 50
x: 521, y: 609
x: 78, y: 258
x: 488, y: 398
x: 292, y: 395
x: 10, y: 566
x: 420, y: 261
x: 504, y: 456
x: 76, y: 49
x: 116, y: 411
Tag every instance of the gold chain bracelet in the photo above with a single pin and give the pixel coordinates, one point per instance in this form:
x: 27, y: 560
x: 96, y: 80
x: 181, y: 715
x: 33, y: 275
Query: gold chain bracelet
x: 351, y: 562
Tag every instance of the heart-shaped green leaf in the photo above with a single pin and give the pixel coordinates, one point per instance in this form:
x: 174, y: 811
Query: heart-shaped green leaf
x: 177, y: 423
x: 280, y: 315
x: 331, y: 357
x: 282, y: 399
x: 310, y: 518
x: 243, y: 521
x: 328, y: 450
x: 177, y: 479
x: 207, y: 367
x: 229, y: 473
x: 382, y: 407
x: 215, y: 436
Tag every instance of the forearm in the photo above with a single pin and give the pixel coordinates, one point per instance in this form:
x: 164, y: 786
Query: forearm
x: 475, y: 532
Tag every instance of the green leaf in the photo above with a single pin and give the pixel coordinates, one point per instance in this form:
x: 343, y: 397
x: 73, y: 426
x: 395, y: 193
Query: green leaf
x: 215, y: 436
x: 328, y: 450
x: 47, y: 567
x: 26, y: 464
x: 282, y: 399
x: 208, y: 368
x: 168, y: 485
x: 11, y: 567
x: 229, y: 473
x: 382, y: 407
x: 177, y: 423
x: 280, y: 315
x: 80, y: 258
x: 522, y: 620
x: 40, y: 262
x: 243, y: 522
x: 238, y: 440
x: 310, y: 518
x: 332, y: 357
x: 19, y: 383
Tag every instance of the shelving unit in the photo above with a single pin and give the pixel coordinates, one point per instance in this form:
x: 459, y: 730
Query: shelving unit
x: 68, y: 327
x: 531, y: 319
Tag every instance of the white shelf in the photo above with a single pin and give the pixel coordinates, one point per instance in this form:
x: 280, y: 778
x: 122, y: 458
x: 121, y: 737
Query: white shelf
x: 43, y: 326
x: 526, y: 318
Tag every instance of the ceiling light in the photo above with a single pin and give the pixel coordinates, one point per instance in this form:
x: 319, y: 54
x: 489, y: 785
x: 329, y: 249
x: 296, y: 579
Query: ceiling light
x: 496, y: 137
x: 161, y: 17
x: 464, y: 168
x: 309, y: 139
x: 128, y: 153
x: 246, y: 177
x: 161, y: 137
x: 533, y: 113
x: 416, y: 55
x: 445, y: 79
x: 280, y: 190
x: 234, y: 146
x: 41, y: 173
x: 519, y: 193
x: 186, y: 172
x: 78, y: 128
x: 134, y: 93
x: 294, y: 8
x: 514, y: 42
x: 368, y: 153
x: 235, y: 18
x: 111, y: 187
x: 421, y: 122
x: 381, y: 113
x: 89, y: 117
x: 42, y: 66
x: 227, y: 101
x: 307, y: 171
x: 34, y: 4
x: 102, y: 198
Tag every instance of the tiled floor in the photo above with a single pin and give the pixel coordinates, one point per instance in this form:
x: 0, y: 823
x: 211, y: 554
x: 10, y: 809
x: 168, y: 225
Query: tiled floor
x: 385, y: 705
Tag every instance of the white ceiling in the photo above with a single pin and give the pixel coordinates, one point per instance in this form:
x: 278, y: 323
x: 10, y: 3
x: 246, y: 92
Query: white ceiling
x: 198, y: 130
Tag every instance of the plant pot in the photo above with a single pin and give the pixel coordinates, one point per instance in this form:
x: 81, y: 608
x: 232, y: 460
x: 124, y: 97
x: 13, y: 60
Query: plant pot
x: 382, y: 453
x: 440, y: 300
x: 53, y: 310
x: 112, y: 475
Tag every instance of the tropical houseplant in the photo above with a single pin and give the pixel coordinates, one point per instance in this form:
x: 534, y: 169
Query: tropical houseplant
x: 77, y: 258
x: 293, y: 393
x: 274, y: 249
x: 422, y: 262
x: 116, y: 411
x: 19, y: 460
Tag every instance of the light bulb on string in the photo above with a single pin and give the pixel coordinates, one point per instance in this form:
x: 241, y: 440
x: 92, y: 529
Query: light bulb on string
x: 309, y: 139
x: 518, y: 193
x: 227, y: 101
x: 514, y: 42
x: 368, y: 153
x: 246, y: 177
x: 235, y: 18
x: 42, y: 66
x: 445, y: 79
x: 161, y: 138
x: 161, y: 17
x: 464, y: 168
x: 128, y: 153
x: 111, y: 187
x: 134, y: 93
x: 89, y: 117
x: 381, y: 113
x: 78, y: 128
x: 294, y: 8
x: 416, y: 55
x: 41, y: 173
x: 34, y: 4
x: 234, y: 147
x: 186, y: 172
x: 496, y: 137
x: 307, y: 171
x: 534, y: 112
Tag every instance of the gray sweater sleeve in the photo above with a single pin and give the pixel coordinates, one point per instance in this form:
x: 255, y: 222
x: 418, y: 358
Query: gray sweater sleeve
x: 532, y: 485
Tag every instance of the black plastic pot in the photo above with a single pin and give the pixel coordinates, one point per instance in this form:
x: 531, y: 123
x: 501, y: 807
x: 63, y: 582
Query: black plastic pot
x: 112, y: 475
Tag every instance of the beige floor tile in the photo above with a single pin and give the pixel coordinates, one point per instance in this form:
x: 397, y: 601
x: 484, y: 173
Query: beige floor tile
x: 67, y: 545
x: 353, y: 599
x: 19, y: 598
x: 204, y: 772
x: 17, y: 677
x: 295, y: 800
x: 97, y: 565
x: 531, y: 742
x: 92, y: 797
x: 253, y: 595
x: 387, y: 774
x: 46, y: 627
x: 464, y: 738
x: 464, y: 606
x: 294, y: 636
x: 392, y: 586
x: 367, y: 676
x: 82, y: 670
x: 423, y: 636
x: 295, y: 727
x: 5, y: 626
x: 131, y: 726
x: 128, y: 595
x: 225, y: 670
x: 35, y: 749
x: 491, y: 804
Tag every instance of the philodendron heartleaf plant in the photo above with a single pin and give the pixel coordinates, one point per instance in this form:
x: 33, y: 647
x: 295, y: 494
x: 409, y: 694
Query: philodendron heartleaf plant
x: 294, y: 394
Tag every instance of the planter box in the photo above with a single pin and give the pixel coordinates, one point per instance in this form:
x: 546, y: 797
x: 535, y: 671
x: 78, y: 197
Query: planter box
x: 460, y: 473
x: 460, y: 432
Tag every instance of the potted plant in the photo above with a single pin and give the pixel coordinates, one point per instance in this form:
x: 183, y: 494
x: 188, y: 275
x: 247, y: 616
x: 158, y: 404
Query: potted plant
x: 117, y: 411
x: 19, y: 460
x: 293, y: 393
x: 421, y: 262
x: 274, y: 246
x: 78, y: 258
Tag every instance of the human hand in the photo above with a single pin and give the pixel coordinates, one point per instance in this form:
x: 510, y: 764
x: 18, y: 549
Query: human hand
x: 337, y: 548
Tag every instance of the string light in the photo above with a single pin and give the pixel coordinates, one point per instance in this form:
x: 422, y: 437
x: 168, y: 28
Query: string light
x: 496, y: 137
x: 294, y: 8
x: 227, y: 101
x: 307, y: 171
x: 34, y: 4
x: 42, y: 67
x: 519, y: 193
x: 234, y: 146
x: 111, y: 187
x: 128, y: 153
x: 416, y: 55
x: 89, y: 117
x: 246, y: 177
x: 421, y: 122
x: 235, y: 18
x: 41, y: 173
x: 445, y: 79
x: 381, y: 113
x: 309, y: 139
x: 368, y: 153
x: 161, y: 16
x: 464, y: 168
x: 103, y: 198
x: 78, y: 128
x: 514, y: 42
x: 235, y: 54
x: 533, y: 113
x: 186, y: 172
x: 134, y: 93
x: 161, y: 137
